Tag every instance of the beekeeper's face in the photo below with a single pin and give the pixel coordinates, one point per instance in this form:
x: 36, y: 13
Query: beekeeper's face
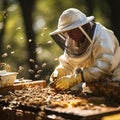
x: 76, y: 41
x: 76, y: 35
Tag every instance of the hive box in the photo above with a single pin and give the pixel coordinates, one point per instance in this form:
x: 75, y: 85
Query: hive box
x: 7, y: 78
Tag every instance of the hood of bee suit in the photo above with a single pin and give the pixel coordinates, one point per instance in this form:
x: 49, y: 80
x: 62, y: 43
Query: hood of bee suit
x: 70, y: 19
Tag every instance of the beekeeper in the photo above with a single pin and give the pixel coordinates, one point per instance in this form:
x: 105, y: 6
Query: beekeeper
x: 91, y: 51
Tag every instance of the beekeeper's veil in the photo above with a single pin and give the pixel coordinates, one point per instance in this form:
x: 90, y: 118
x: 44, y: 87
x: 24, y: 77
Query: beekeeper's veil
x: 70, y: 19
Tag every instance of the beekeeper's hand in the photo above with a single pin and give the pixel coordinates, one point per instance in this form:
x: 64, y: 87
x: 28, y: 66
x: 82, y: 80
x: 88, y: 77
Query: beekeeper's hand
x: 66, y: 82
x: 58, y: 73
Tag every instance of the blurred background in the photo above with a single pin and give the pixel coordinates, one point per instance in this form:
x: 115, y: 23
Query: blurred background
x: 25, y: 44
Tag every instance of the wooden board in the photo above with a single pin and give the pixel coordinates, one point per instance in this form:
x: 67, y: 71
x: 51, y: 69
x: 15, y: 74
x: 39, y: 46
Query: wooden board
x: 18, y: 86
x: 78, y: 114
x: 112, y: 117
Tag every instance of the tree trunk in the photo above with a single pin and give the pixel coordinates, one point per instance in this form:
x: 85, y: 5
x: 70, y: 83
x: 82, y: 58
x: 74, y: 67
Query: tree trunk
x: 27, y: 7
x: 90, y: 8
x: 115, y: 16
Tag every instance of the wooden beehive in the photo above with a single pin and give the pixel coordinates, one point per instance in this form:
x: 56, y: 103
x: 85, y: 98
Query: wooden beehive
x: 35, y: 99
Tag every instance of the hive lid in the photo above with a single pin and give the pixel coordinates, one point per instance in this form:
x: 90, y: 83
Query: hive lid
x: 5, y: 73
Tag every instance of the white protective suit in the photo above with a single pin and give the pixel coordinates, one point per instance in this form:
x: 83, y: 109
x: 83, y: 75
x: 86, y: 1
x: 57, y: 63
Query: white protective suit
x: 100, y: 60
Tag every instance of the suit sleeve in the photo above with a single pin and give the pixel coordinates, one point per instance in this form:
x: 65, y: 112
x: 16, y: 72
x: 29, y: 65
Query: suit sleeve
x: 105, y: 53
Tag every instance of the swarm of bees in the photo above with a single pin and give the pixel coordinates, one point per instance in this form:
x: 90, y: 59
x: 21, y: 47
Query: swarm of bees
x: 38, y: 69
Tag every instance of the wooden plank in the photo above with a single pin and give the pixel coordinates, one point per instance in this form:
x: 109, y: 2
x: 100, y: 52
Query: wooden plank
x: 112, y: 117
x: 78, y: 114
x: 41, y: 83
